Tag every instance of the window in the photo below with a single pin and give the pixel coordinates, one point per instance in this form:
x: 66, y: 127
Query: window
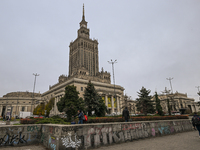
x: 81, y: 88
x: 23, y: 108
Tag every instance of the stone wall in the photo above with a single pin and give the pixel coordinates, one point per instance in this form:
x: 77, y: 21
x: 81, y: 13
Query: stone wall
x: 58, y: 137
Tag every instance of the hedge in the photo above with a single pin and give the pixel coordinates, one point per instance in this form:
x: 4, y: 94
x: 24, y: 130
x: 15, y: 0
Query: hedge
x: 143, y: 118
x: 99, y: 119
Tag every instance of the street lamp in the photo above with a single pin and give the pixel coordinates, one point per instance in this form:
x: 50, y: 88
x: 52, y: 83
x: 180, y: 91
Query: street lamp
x: 170, y: 83
x: 34, y: 89
x: 172, y: 97
x: 113, y: 62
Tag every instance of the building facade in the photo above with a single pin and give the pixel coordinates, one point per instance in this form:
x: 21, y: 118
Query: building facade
x: 83, y: 52
x: 12, y: 103
x: 178, y: 101
x: 84, y: 67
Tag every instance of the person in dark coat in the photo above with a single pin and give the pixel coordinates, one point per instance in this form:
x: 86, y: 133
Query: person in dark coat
x: 80, y: 116
x: 125, y: 114
x: 197, y: 126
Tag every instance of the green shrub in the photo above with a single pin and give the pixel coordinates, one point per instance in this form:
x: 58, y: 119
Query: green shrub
x: 141, y: 118
x: 55, y: 117
x: 192, y: 114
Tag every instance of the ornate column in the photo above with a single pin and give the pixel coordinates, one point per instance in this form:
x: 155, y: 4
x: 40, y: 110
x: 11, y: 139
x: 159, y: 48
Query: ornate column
x: 120, y: 103
x: 20, y: 108
x: 106, y: 100
x: 25, y: 108
x: 117, y: 99
x: 55, y: 106
x: 112, y: 104
x: 194, y: 108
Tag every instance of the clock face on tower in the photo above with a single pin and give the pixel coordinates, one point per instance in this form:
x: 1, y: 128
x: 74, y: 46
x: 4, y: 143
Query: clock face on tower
x: 83, y: 25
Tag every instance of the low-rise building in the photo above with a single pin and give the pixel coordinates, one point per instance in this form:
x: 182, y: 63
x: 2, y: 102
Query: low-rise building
x: 14, y: 102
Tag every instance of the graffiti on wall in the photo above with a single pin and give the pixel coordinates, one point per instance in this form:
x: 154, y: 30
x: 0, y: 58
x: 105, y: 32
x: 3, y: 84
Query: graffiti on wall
x: 115, y: 133
x: 12, y: 139
x: 68, y: 142
x: 32, y: 128
x: 52, y: 143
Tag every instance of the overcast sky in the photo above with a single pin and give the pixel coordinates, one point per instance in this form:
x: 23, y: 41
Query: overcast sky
x: 151, y: 39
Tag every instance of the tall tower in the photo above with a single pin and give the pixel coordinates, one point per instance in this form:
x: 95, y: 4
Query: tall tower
x: 83, y: 53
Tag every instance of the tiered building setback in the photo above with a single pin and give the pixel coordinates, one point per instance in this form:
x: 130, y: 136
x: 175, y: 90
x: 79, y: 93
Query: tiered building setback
x: 84, y: 67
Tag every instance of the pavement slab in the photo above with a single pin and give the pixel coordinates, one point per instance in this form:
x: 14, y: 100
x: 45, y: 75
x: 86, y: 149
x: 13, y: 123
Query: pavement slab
x: 29, y: 147
x: 179, y: 141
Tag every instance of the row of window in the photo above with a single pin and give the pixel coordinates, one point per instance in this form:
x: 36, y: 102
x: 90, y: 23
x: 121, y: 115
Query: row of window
x: 14, y: 102
x: 83, y: 44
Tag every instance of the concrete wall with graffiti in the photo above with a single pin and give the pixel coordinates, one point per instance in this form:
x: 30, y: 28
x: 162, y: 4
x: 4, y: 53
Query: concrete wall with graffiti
x: 58, y: 137
x: 11, y: 135
x: 95, y: 135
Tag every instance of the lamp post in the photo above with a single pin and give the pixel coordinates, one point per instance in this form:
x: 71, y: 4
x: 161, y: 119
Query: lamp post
x: 172, y: 96
x: 34, y: 89
x: 170, y: 83
x: 198, y: 94
x: 113, y: 62
x: 198, y: 90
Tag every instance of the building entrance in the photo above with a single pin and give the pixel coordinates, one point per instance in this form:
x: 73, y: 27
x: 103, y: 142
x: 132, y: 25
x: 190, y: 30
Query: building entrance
x: 3, y: 111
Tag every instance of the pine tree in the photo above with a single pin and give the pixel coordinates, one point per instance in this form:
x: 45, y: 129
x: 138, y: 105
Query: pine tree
x: 93, y: 101
x: 71, y: 102
x: 144, y: 102
x: 158, y: 106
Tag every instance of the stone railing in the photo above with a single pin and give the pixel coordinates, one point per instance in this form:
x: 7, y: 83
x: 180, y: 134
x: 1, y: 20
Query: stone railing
x: 85, y: 136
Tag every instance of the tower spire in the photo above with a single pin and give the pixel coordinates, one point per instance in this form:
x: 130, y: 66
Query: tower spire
x: 83, y: 17
x: 83, y: 22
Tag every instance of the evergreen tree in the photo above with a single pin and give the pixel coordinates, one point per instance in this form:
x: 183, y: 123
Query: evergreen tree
x: 93, y: 101
x: 158, y: 106
x: 71, y: 102
x: 144, y: 102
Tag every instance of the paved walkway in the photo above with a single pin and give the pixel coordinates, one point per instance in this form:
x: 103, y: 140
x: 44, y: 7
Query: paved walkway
x: 180, y: 141
x: 31, y: 147
x: 11, y: 122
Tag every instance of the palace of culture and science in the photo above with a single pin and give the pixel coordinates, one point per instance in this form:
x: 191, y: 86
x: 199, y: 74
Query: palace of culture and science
x: 83, y: 67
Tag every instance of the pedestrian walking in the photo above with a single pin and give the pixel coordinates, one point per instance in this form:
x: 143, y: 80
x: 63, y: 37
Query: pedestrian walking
x: 80, y: 117
x: 125, y: 114
x: 196, y: 122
